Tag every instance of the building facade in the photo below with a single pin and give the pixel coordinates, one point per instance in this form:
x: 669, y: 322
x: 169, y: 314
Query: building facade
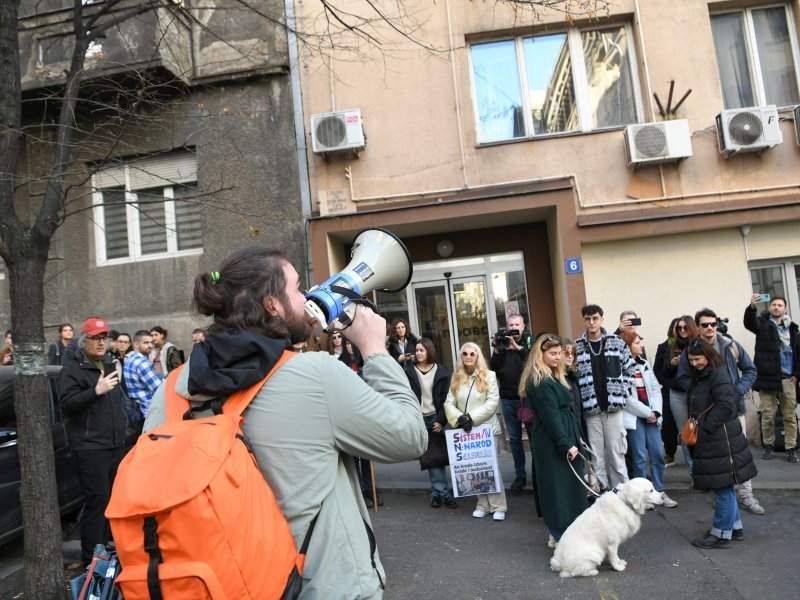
x: 184, y: 150
x: 499, y: 148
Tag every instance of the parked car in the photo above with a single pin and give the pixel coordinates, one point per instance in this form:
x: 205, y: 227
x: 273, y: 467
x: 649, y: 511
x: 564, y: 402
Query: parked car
x: 69, y: 490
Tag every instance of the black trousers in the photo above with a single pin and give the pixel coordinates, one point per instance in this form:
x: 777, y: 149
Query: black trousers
x: 96, y: 472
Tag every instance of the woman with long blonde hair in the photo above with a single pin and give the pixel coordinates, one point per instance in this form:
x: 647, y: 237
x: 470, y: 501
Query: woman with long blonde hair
x: 472, y: 400
x: 555, y: 436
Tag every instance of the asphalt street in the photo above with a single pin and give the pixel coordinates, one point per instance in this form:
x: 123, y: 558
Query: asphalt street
x: 446, y: 553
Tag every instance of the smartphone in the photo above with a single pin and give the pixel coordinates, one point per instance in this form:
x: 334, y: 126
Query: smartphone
x: 764, y: 298
x: 636, y: 321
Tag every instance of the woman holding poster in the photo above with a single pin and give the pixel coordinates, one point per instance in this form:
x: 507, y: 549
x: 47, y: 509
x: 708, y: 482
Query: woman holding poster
x: 472, y: 400
x: 555, y: 435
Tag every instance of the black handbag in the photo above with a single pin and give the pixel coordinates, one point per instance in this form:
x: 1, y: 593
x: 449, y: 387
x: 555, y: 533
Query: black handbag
x: 134, y: 420
x: 436, y: 454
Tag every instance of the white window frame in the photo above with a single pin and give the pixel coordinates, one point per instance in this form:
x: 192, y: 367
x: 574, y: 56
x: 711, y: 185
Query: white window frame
x: 578, y: 66
x: 751, y: 43
x: 790, y: 280
x: 132, y: 216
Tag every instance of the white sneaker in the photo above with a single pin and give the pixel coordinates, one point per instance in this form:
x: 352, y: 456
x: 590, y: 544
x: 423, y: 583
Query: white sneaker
x: 478, y: 513
x: 668, y: 502
x: 499, y: 515
x: 551, y: 542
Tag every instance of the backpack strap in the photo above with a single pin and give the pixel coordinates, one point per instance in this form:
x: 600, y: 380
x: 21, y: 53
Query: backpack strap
x: 176, y: 405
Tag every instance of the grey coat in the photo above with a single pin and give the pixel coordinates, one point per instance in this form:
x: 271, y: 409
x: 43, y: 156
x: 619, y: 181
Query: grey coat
x: 308, y: 420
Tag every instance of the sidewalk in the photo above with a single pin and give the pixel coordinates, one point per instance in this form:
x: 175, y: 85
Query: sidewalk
x: 775, y: 474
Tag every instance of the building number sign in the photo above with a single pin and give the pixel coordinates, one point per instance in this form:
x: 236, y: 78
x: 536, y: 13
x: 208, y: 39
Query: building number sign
x: 573, y: 266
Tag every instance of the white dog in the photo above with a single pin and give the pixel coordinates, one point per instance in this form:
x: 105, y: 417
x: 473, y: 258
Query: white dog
x: 614, y: 518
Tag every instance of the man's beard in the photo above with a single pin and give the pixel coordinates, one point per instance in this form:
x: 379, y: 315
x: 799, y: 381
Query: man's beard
x: 297, y: 328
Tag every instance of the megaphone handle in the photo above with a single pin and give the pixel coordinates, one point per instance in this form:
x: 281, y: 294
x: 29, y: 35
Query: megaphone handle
x: 356, y: 298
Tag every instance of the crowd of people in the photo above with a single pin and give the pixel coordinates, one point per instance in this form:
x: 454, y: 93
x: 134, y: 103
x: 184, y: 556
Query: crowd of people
x: 596, y: 400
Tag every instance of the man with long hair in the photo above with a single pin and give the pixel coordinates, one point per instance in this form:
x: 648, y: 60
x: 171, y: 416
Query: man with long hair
x: 312, y: 415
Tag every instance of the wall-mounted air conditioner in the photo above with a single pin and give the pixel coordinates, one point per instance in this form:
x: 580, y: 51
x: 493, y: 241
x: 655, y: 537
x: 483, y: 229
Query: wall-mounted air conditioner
x: 337, y: 132
x: 656, y: 143
x: 748, y: 130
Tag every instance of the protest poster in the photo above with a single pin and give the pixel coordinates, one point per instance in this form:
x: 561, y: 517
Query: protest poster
x: 473, y: 461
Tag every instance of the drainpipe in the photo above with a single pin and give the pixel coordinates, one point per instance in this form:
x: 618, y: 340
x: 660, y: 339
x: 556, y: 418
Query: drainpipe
x: 299, y: 132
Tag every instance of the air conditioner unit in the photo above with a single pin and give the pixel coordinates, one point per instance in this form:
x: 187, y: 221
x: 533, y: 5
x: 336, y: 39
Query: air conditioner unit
x: 337, y: 132
x: 656, y: 143
x: 748, y: 130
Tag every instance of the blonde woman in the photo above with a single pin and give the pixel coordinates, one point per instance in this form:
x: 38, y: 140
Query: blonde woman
x: 472, y: 400
x: 555, y: 437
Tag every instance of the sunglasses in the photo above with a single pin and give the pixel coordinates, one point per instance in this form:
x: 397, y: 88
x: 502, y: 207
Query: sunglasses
x: 336, y: 336
x: 681, y: 328
x: 469, y: 354
x: 707, y: 325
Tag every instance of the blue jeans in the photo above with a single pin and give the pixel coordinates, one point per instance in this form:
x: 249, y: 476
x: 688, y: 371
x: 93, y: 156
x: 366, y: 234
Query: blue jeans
x: 440, y: 482
x: 680, y: 412
x: 644, y: 440
x: 514, y: 428
x: 726, y: 514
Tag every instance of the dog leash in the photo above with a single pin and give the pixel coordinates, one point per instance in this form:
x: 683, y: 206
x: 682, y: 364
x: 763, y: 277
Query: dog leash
x: 578, y: 477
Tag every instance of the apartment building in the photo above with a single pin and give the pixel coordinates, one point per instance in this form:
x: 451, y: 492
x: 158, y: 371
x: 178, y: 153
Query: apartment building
x: 184, y: 150
x: 644, y: 159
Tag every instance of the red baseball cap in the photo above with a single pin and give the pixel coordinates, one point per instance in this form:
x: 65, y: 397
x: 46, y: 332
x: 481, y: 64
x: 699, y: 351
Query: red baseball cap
x: 94, y: 326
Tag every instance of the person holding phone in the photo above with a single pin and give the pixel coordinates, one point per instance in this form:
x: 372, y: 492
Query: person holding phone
x: 90, y: 399
x: 401, y: 341
x: 777, y: 360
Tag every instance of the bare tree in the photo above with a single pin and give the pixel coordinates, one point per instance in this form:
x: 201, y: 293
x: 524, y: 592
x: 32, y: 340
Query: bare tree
x: 84, y: 115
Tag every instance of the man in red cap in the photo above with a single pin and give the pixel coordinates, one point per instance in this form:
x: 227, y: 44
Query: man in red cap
x: 90, y: 398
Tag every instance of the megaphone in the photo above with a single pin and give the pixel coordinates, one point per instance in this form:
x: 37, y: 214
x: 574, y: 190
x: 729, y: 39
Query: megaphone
x: 379, y: 261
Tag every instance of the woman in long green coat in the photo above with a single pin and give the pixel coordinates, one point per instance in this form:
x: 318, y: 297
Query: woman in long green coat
x: 555, y: 436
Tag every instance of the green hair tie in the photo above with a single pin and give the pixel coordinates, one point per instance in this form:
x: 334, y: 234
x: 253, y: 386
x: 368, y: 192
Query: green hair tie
x: 215, y: 276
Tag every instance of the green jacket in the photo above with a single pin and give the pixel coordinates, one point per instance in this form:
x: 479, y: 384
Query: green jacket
x: 562, y: 498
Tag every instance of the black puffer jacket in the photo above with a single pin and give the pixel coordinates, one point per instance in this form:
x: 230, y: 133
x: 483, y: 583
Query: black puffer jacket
x: 721, y: 456
x: 768, y: 349
x: 95, y: 422
x: 441, y: 383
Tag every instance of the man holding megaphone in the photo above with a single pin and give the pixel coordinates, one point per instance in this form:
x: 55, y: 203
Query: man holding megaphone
x: 314, y: 413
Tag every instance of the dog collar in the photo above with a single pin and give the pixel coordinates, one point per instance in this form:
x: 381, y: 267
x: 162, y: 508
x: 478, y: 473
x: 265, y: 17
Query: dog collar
x: 623, y: 498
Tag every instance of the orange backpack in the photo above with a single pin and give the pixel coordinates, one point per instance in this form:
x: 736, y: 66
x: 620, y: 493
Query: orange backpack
x: 192, y: 515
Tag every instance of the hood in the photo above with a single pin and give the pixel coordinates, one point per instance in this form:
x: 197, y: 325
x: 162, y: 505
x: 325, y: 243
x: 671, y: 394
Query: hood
x: 232, y: 360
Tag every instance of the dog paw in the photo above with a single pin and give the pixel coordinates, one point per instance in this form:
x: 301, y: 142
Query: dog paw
x: 619, y: 565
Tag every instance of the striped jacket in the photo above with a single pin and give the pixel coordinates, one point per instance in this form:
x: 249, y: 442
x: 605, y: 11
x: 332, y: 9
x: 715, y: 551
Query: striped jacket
x: 620, y: 373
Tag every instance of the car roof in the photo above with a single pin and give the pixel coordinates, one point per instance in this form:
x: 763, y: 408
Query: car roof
x: 7, y: 375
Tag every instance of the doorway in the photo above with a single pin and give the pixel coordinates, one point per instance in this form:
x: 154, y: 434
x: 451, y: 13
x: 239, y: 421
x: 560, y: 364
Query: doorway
x: 451, y: 313
x: 460, y: 300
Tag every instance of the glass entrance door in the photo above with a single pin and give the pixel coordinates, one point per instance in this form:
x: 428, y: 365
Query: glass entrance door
x: 434, y: 319
x: 470, y: 313
x: 451, y: 313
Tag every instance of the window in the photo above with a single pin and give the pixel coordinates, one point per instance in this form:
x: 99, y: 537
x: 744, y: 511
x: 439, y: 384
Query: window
x: 147, y: 210
x: 574, y: 81
x: 755, y: 55
x: 778, y: 278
